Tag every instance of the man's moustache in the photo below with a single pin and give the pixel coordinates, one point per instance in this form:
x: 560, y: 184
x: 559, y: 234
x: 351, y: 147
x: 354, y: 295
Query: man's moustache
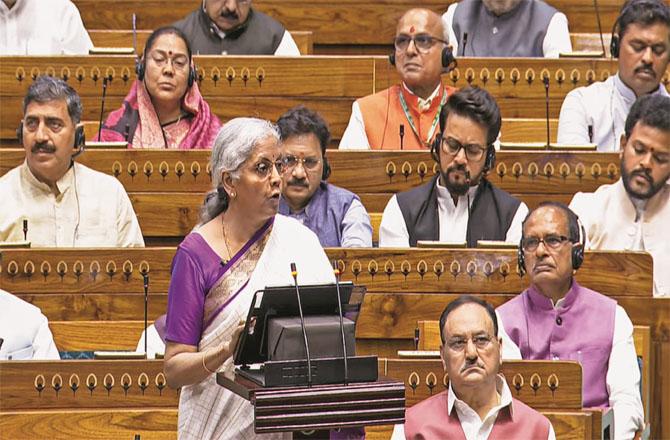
x: 470, y: 365
x: 644, y: 174
x: 646, y: 69
x: 45, y: 147
x: 230, y: 15
x: 298, y: 183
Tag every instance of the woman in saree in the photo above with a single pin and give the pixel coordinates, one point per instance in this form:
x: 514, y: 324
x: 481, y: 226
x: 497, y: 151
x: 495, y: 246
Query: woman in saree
x: 164, y: 108
x: 241, y: 246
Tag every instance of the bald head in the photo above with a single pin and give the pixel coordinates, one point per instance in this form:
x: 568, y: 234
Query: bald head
x: 426, y: 19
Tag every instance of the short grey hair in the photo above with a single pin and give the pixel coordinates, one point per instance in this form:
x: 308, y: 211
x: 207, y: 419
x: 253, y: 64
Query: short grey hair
x: 46, y: 89
x: 233, y: 146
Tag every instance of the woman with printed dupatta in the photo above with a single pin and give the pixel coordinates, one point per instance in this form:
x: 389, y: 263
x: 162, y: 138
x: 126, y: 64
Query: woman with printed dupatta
x: 242, y: 246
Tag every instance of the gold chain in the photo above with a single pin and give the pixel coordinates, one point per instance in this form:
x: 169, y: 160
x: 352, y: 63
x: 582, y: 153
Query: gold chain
x: 225, y: 240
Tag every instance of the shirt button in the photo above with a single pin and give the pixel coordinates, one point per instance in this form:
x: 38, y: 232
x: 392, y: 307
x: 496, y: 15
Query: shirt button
x: 559, y: 320
x: 554, y: 357
x: 494, y: 30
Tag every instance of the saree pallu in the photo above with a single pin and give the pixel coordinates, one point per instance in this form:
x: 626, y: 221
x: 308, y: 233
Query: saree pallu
x: 207, y: 410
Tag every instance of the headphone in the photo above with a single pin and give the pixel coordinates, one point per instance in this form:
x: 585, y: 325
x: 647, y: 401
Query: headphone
x: 577, y: 251
x: 615, y: 44
x: 489, y: 163
x: 447, y: 57
x: 326, y: 168
x: 79, y: 138
x: 140, y: 69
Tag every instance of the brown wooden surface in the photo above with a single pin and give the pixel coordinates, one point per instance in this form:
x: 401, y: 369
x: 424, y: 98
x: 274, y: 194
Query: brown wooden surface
x: 349, y: 22
x: 124, y: 38
x: 107, y: 424
x: 329, y: 84
x: 97, y: 335
x: 19, y: 392
x: 643, y: 349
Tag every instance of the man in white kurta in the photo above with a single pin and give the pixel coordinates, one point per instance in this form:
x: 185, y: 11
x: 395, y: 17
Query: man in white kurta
x: 24, y: 331
x: 596, y: 114
x: 42, y: 27
x: 634, y: 213
x: 51, y: 201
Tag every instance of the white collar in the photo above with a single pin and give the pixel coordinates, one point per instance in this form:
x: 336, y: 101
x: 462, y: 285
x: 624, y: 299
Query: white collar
x: 501, y: 388
x: 424, y: 104
x: 62, y: 184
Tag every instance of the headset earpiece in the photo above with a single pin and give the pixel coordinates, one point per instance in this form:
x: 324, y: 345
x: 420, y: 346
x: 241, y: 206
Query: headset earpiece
x: 19, y: 133
x: 326, y: 169
x: 392, y: 58
x: 79, y: 141
x: 490, y: 161
x: 139, y: 68
x: 434, y: 148
x: 191, y: 75
x: 448, y: 59
x: 578, y: 251
x: 521, y: 259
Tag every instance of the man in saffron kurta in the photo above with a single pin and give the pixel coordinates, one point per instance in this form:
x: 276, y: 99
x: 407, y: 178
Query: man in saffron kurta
x: 556, y: 318
x: 478, y: 403
x: 405, y: 116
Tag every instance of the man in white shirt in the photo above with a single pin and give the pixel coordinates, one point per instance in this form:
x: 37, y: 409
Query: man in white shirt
x: 478, y: 404
x: 558, y: 319
x: 507, y: 28
x: 233, y: 27
x: 24, y: 331
x: 634, y: 213
x: 459, y: 204
x: 52, y: 201
x: 641, y: 42
x: 42, y: 27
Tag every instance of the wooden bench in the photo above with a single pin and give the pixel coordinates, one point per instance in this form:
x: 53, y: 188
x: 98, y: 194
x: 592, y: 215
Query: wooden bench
x: 347, y: 24
x: 268, y: 86
x: 167, y: 187
x: 124, y: 38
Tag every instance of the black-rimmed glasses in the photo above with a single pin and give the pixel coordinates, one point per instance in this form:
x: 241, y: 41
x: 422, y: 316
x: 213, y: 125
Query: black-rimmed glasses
x: 473, y: 152
x: 552, y: 241
x: 423, y: 42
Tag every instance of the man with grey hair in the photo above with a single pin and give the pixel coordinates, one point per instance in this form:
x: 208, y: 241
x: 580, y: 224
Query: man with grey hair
x: 405, y: 116
x: 507, y: 28
x: 52, y: 201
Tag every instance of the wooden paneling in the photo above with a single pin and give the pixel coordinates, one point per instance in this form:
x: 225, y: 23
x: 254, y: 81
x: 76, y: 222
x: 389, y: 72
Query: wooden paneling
x: 348, y: 22
x: 96, y: 335
x: 150, y: 424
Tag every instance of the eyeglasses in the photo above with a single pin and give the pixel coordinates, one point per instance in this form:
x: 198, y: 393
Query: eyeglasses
x: 473, y: 152
x: 264, y: 168
x: 552, y: 241
x: 309, y: 163
x: 458, y: 344
x: 423, y: 42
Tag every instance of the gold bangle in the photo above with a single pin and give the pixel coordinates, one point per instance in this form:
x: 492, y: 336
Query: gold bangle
x: 204, y: 365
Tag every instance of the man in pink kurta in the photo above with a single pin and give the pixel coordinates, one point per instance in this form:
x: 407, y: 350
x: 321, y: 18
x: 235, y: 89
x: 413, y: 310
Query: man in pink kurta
x: 478, y: 404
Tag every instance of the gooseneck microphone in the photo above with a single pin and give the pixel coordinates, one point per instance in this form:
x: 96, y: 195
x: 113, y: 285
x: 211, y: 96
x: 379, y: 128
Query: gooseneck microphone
x: 600, y: 28
x: 25, y: 229
x: 401, y: 132
x: 545, y: 80
x: 294, y: 274
x: 465, y: 42
x: 146, y: 309
x: 102, y: 106
x: 336, y: 270
x: 135, y: 33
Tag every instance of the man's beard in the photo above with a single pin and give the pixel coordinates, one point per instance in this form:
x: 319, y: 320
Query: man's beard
x: 456, y: 189
x: 654, y: 187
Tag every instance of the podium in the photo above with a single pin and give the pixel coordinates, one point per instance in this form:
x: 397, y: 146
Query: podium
x: 303, y: 408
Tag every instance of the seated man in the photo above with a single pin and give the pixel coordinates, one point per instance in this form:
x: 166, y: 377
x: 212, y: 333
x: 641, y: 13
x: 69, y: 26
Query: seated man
x: 507, y: 28
x: 459, y: 204
x: 641, y: 41
x: 634, y: 213
x: 479, y: 403
x: 336, y: 215
x: 52, y: 201
x: 556, y: 318
x: 233, y: 27
x: 24, y: 331
x: 405, y: 115
x: 164, y: 108
x: 42, y: 27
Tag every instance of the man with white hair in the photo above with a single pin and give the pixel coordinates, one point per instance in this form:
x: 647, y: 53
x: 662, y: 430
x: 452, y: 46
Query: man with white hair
x: 507, y: 28
x: 405, y: 116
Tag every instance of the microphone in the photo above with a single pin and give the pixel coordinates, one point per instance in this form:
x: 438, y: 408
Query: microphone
x: 545, y: 80
x: 465, y: 42
x: 590, y: 128
x: 416, y: 337
x: 135, y: 33
x: 336, y: 270
x: 402, y: 134
x: 146, y: 303
x: 2, y: 341
x: 25, y: 229
x: 126, y: 132
x: 600, y: 28
x: 102, y: 106
x: 467, y: 225
x: 294, y: 274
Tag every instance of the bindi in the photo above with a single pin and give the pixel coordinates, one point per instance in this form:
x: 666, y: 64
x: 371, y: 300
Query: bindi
x: 412, y: 29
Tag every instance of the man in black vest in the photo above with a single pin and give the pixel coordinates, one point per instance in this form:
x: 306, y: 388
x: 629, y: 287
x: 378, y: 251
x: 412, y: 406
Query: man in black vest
x: 233, y: 27
x: 459, y: 204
